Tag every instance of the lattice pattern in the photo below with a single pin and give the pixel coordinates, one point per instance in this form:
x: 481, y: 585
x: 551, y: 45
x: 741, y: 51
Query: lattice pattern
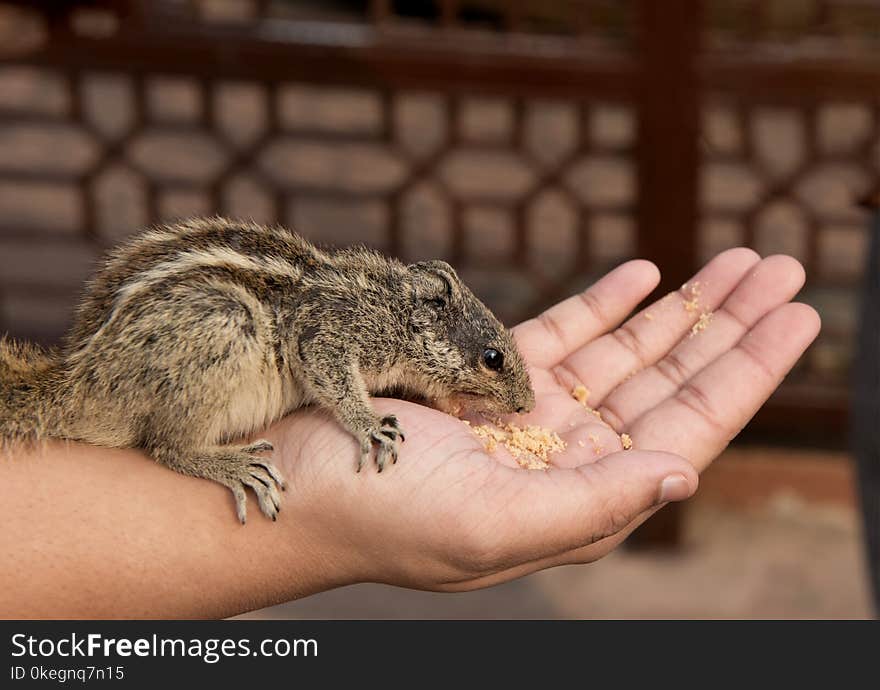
x: 529, y: 198
x: 611, y: 20
x: 525, y: 197
x: 786, y: 179
x: 814, y: 25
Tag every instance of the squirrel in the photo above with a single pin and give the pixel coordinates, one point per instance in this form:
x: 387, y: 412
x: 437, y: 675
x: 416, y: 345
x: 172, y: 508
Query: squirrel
x: 198, y: 333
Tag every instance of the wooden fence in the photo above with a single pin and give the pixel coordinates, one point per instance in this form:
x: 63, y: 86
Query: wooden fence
x: 534, y: 145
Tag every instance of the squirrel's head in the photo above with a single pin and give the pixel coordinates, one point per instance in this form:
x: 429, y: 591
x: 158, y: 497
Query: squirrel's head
x: 459, y: 344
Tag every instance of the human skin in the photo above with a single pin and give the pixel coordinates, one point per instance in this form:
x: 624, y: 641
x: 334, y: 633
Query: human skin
x: 93, y: 532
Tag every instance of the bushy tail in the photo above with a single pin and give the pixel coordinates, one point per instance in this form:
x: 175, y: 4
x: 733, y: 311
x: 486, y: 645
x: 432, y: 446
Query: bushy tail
x: 23, y: 362
x: 28, y: 376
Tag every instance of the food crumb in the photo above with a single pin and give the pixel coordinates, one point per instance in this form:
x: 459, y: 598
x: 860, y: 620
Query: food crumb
x: 693, y: 303
x: 581, y: 393
x: 530, y: 446
x: 702, y: 323
x: 581, y: 443
x: 649, y: 316
x: 626, y: 441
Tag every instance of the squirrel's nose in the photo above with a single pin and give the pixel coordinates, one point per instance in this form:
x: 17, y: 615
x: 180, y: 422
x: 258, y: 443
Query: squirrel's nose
x: 525, y: 403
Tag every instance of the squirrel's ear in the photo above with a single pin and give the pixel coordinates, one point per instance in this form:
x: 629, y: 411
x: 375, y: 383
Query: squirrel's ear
x: 434, y: 280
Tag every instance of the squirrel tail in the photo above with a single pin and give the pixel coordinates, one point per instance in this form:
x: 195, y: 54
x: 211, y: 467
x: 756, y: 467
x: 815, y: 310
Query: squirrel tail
x: 28, y: 381
x: 23, y: 362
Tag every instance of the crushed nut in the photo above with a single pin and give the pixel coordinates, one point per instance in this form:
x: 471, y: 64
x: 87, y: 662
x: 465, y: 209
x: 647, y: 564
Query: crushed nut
x: 581, y: 393
x: 702, y: 323
x: 694, y: 302
x: 530, y: 446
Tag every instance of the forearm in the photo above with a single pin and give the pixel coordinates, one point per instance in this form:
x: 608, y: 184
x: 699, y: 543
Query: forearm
x: 95, y: 532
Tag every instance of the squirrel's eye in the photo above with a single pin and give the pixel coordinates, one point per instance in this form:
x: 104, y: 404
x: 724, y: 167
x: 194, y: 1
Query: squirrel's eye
x: 438, y: 302
x: 493, y: 359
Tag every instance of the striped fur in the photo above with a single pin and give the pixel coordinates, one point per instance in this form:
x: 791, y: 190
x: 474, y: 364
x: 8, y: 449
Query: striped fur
x: 194, y: 335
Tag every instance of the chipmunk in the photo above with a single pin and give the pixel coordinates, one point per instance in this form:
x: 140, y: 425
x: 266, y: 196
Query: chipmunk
x: 196, y: 334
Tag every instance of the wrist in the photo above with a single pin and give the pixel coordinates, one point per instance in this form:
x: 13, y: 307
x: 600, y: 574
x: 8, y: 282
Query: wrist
x: 319, y: 540
x: 145, y: 541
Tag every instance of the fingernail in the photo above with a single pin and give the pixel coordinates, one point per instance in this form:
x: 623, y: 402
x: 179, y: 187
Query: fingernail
x: 674, y: 488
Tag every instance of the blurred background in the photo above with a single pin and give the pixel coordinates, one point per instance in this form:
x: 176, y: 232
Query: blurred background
x: 534, y: 145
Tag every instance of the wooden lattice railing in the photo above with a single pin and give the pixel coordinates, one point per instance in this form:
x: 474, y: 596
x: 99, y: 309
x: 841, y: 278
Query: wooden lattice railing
x: 532, y: 144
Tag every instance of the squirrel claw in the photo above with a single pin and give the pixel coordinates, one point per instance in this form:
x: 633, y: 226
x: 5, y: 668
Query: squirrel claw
x: 272, y: 472
x: 391, y: 421
x: 261, y: 446
x: 263, y: 478
x: 386, y: 436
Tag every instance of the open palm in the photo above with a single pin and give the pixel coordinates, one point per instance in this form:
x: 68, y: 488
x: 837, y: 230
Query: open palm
x: 451, y: 516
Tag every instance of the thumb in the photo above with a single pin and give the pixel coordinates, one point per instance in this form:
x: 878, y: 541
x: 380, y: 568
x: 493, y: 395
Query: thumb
x: 570, y: 508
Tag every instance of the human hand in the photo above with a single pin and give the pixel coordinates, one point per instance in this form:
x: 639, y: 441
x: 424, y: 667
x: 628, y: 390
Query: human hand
x: 450, y: 516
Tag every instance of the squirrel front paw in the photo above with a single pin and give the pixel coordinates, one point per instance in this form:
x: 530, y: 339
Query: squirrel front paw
x: 386, y: 435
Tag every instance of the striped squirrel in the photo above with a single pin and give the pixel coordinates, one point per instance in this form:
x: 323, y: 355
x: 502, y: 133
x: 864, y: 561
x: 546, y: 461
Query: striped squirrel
x: 195, y: 334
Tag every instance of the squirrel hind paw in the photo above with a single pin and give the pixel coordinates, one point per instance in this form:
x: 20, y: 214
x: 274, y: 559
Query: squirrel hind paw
x: 385, y: 435
x: 262, y: 477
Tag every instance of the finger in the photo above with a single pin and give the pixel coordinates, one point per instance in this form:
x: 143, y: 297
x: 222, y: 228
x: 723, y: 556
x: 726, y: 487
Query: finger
x: 774, y: 345
x: 774, y: 281
x: 548, y: 338
x: 604, y: 363
x: 712, y: 407
x: 576, y: 556
x: 571, y: 508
